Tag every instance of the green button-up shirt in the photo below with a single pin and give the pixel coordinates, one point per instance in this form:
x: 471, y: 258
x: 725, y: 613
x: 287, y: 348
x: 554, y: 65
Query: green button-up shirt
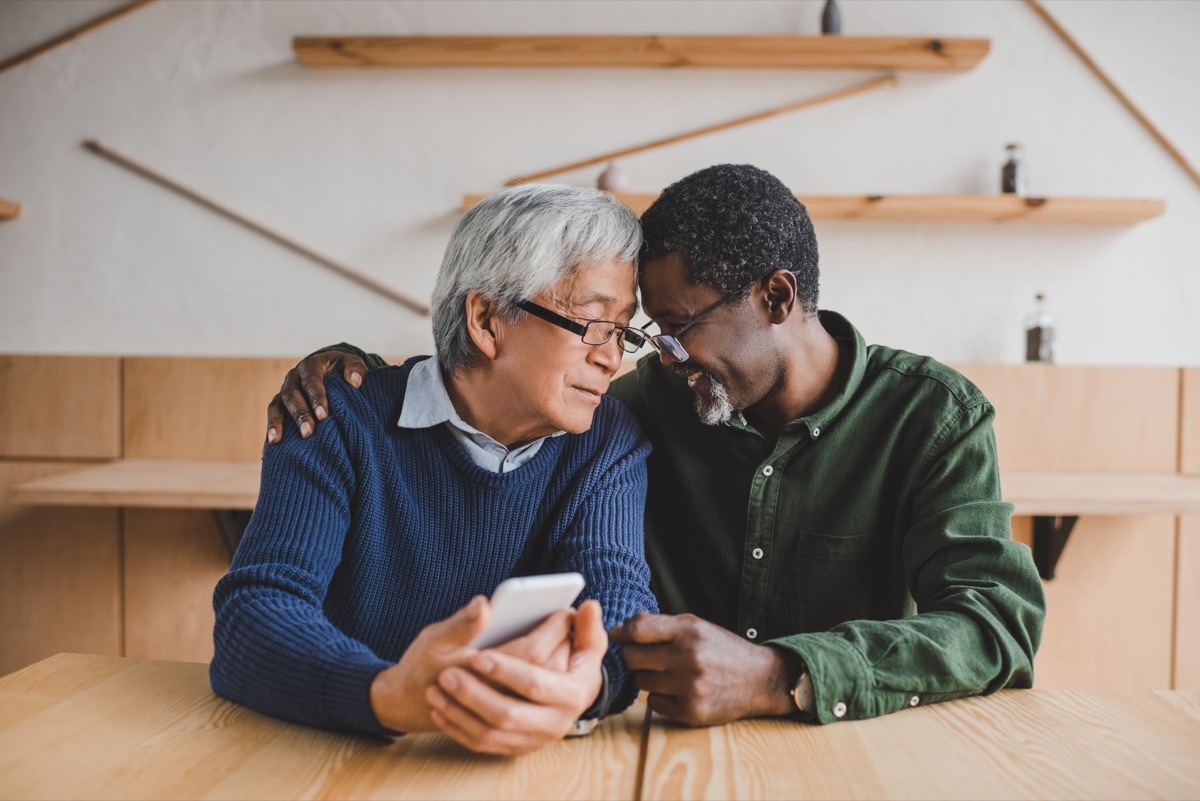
x: 869, y: 539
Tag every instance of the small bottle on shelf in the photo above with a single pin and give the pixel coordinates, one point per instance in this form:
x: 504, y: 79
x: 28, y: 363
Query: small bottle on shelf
x: 1039, y: 332
x: 831, y: 18
x: 1012, y: 174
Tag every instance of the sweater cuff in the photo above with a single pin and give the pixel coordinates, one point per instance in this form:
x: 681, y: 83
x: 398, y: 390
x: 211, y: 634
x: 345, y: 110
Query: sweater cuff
x: 347, y: 693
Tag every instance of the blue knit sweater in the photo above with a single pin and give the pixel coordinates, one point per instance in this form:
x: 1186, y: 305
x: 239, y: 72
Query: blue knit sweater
x: 367, y: 532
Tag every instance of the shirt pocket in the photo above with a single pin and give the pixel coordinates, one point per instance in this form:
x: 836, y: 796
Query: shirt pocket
x: 839, y: 577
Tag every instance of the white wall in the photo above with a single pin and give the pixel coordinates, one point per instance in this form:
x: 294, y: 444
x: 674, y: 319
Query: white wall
x: 369, y: 166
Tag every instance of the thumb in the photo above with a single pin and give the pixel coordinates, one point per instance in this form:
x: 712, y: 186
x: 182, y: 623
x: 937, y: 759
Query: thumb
x: 589, y: 641
x: 463, y: 626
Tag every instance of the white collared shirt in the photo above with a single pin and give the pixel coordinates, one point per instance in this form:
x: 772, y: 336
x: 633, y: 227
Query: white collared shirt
x: 427, y: 404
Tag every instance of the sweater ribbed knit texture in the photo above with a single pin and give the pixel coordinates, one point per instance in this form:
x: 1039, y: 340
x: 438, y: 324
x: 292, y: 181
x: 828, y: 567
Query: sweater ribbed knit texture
x: 366, y: 533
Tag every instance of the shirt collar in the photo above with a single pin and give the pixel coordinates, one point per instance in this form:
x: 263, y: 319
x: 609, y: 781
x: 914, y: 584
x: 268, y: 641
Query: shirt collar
x: 852, y: 349
x: 427, y: 404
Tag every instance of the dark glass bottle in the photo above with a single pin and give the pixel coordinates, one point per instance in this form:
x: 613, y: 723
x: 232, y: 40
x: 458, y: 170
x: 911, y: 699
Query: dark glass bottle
x: 1039, y: 332
x: 831, y: 18
x: 1012, y: 174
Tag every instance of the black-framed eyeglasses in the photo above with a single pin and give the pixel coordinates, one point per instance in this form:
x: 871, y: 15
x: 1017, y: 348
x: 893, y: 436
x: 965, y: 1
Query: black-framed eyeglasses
x: 670, y: 344
x: 592, y: 332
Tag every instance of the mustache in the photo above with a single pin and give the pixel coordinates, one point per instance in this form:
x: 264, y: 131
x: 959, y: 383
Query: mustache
x: 686, y: 369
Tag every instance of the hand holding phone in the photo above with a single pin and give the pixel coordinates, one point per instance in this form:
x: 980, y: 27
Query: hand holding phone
x: 520, y: 604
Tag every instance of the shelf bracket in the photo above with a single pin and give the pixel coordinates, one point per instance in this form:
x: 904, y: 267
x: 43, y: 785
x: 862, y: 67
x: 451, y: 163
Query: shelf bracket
x: 231, y: 524
x: 1050, y: 536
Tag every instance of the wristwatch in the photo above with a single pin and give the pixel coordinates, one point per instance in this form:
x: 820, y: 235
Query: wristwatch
x: 599, y: 709
x: 802, y: 693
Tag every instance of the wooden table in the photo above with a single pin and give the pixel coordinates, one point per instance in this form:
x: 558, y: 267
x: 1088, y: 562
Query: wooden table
x: 216, y: 484
x: 104, y: 727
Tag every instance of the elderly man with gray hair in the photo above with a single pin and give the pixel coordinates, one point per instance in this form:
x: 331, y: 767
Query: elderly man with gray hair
x: 354, y: 596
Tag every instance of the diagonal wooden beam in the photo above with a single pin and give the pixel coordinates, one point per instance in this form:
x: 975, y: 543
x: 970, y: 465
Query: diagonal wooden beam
x: 288, y: 242
x: 1158, y: 135
x: 876, y: 83
x: 87, y: 27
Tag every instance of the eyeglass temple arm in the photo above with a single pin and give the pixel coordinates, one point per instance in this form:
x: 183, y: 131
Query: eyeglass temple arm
x: 553, y: 318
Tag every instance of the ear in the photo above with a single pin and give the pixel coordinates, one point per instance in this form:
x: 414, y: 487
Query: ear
x: 779, y: 295
x: 482, y: 323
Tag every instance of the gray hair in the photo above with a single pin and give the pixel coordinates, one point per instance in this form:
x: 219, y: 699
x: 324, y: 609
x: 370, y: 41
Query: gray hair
x: 520, y: 242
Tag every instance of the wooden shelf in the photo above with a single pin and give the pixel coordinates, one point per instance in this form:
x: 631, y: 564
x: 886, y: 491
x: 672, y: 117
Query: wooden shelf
x: 954, y: 208
x: 9, y: 210
x: 148, y: 483
x: 794, y: 52
x: 233, y: 484
x: 1036, y: 493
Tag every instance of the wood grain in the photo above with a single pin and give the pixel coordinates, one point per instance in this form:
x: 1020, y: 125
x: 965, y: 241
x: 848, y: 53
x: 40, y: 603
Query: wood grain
x: 149, y: 483
x: 1109, y: 606
x: 951, y: 208
x: 876, y: 83
x: 173, y: 560
x: 87, y: 27
x: 60, y: 407
x: 1189, y: 421
x: 59, y: 575
x: 273, y: 234
x: 199, y: 408
x: 142, y: 729
x: 226, y: 484
x: 1016, y: 744
x: 1187, y: 606
x: 1060, y: 417
x: 805, y: 52
x: 1123, y: 98
x: 1096, y: 493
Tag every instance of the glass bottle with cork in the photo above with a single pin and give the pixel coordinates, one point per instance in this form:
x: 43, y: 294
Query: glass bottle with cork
x: 1039, y: 332
x: 1013, y: 180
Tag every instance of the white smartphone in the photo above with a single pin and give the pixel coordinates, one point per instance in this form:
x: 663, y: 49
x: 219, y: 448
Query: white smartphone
x: 520, y: 604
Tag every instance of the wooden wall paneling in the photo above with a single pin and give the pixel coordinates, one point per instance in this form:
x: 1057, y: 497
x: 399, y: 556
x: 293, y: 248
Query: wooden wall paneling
x: 59, y: 575
x: 60, y: 407
x: 199, y: 408
x: 1189, y: 420
x: 1187, y: 606
x: 1055, y: 417
x: 173, y: 559
x: 1109, y: 607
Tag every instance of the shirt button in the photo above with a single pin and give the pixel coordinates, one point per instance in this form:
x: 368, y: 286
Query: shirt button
x: 757, y: 553
x: 752, y: 633
x: 914, y: 700
x: 768, y: 470
x: 839, y: 710
x: 817, y: 431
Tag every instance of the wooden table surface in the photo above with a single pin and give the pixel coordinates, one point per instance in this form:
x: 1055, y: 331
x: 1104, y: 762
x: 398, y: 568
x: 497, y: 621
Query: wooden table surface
x: 77, y: 726
x: 215, y: 484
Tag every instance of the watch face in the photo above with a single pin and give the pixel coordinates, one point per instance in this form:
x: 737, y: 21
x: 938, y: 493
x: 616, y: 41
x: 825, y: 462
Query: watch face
x: 582, y: 727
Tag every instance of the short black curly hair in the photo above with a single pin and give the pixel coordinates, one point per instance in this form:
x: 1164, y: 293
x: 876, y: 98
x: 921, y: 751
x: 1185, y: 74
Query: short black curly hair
x: 733, y: 224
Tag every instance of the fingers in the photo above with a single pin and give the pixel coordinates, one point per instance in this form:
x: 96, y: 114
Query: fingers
x: 459, y: 629
x: 469, y: 731
x: 312, y: 372
x: 296, y: 402
x: 274, y: 419
x: 644, y: 629
x: 539, y: 645
x: 489, y: 717
x: 354, y: 370
x: 589, y: 638
x: 532, y: 683
x: 656, y: 657
x: 660, y: 682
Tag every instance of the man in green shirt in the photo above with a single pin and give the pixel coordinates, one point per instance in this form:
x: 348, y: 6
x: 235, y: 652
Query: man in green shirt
x: 823, y: 521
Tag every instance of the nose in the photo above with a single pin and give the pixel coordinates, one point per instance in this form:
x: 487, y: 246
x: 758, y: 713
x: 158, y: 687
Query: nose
x: 606, y: 356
